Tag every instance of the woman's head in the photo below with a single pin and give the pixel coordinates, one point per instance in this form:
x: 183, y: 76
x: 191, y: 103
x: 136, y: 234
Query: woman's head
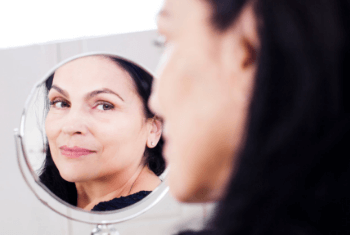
x: 99, y: 124
x: 254, y: 78
x: 208, y: 75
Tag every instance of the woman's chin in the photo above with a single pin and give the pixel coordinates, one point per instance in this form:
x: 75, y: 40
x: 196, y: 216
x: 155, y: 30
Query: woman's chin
x: 71, y: 176
x: 192, y: 192
x: 202, y: 195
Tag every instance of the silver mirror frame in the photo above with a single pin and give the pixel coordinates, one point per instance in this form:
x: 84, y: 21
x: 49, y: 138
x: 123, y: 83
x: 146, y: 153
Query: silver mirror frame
x: 59, y: 206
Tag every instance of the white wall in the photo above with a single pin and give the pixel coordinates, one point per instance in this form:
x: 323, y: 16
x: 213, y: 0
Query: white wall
x: 21, y: 212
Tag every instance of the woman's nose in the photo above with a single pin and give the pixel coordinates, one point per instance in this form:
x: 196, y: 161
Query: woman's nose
x: 153, y: 102
x: 75, y: 123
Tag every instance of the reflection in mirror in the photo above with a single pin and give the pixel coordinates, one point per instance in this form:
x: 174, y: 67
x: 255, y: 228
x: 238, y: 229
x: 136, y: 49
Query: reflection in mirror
x: 90, y: 136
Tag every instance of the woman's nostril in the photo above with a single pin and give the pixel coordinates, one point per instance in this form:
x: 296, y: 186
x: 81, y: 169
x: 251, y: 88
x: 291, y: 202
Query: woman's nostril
x: 74, y: 129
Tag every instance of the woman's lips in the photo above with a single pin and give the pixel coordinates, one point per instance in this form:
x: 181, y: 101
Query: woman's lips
x: 75, y: 152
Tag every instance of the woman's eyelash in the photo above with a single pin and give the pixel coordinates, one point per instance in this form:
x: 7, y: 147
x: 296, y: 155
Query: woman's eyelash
x: 55, y: 101
x: 102, y: 105
x: 105, y: 106
x: 160, y: 41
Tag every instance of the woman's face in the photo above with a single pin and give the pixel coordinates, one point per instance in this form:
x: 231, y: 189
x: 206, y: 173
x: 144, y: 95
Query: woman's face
x: 96, y: 126
x: 202, y: 91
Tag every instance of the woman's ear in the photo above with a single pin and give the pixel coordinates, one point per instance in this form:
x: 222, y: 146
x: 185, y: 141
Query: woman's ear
x: 250, y: 53
x: 239, y: 54
x: 249, y: 31
x: 155, y: 132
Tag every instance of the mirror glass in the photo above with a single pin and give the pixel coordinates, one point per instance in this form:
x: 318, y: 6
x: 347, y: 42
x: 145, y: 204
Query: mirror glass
x: 89, y: 136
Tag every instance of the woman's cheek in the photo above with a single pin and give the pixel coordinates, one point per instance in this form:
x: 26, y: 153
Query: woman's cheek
x: 51, y: 127
x: 48, y: 126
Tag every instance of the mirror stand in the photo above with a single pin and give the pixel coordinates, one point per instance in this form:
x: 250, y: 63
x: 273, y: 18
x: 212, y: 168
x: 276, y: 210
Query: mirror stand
x: 100, y: 229
x: 104, y: 229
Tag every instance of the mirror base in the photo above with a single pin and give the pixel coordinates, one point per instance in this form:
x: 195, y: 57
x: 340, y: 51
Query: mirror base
x: 103, y: 229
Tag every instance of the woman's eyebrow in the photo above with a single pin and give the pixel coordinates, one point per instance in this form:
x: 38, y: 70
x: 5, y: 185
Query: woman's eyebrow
x: 163, y: 13
x: 104, y: 90
x: 60, y: 90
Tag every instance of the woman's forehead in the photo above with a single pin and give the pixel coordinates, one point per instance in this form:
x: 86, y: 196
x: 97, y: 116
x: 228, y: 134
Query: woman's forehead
x: 93, y: 71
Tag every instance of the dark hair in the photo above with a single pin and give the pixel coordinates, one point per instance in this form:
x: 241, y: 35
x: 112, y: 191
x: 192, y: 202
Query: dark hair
x: 293, y: 174
x: 65, y: 190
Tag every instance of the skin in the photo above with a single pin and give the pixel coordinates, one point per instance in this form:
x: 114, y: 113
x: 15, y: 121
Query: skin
x: 202, y: 91
x: 111, y: 124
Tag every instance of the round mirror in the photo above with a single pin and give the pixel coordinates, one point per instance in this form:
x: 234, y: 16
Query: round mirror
x: 88, y: 145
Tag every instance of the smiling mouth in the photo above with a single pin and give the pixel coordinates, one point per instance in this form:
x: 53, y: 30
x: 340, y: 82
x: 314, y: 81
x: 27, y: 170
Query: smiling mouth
x: 75, y: 152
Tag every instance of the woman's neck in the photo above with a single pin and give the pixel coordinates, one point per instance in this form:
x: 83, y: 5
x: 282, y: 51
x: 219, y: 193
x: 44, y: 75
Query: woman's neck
x: 108, y: 188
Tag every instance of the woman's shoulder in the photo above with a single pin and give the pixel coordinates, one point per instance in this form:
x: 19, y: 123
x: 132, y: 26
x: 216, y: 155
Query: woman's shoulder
x: 288, y: 230
x: 121, y: 202
x: 196, y: 233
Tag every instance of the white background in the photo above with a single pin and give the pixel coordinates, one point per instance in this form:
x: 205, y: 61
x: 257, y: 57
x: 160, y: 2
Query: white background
x: 28, y: 22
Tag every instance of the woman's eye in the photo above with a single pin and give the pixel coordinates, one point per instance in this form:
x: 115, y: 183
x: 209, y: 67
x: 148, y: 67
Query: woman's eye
x: 59, y: 104
x: 105, y: 107
x: 160, y: 41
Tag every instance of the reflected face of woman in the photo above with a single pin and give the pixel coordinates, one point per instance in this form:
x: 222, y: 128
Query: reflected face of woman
x: 202, y: 91
x: 96, y: 125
